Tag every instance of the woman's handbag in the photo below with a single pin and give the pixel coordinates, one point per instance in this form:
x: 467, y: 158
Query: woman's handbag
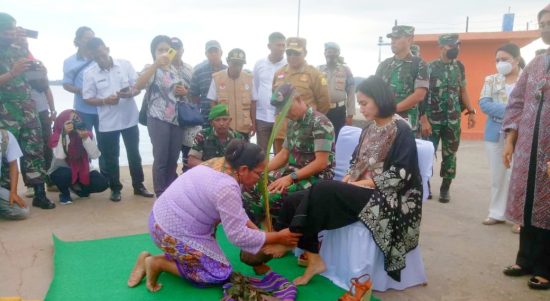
x: 189, y: 114
x: 142, y: 119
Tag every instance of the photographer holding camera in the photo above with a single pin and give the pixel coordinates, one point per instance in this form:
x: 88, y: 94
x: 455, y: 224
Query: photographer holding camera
x: 73, y: 148
x: 17, y: 110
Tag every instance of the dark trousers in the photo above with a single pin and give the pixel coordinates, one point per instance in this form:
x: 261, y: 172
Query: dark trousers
x: 109, y: 145
x: 185, y: 157
x: 263, y: 131
x: 46, y: 125
x: 62, y: 178
x: 338, y: 118
x: 327, y: 205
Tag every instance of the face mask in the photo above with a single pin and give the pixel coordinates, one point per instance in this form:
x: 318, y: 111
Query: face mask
x: 504, y: 68
x: 452, y: 53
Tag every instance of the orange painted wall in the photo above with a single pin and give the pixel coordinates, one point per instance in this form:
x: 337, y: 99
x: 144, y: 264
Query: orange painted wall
x: 477, y: 52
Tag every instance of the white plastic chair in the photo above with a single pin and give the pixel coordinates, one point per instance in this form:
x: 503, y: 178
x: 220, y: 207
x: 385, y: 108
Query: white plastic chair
x: 351, y: 251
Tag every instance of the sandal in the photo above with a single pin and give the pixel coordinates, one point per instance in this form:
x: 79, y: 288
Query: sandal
x: 363, y: 290
x: 536, y: 284
x: 515, y: 271
x: 491, y: 221
x: 516, y: 228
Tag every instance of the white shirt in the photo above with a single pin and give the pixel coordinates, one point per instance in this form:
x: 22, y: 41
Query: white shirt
x: 13, y: 151
x: 40, y: 100
x: 264, y: 70
x: 104, y: 83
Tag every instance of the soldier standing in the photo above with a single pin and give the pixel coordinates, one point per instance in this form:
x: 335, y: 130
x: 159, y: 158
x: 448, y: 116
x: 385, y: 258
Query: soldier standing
x: 18, y: 111
x: 307, y: 80
x: 406, y: 74
x: 341, y: 86
x: 446, y: 99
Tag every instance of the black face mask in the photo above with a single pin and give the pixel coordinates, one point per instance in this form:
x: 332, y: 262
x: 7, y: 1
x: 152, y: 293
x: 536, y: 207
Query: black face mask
x: 452, y: 53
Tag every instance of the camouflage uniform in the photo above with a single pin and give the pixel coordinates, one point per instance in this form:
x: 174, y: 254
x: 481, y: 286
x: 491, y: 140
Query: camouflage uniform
x: 313, y: 133
x: 18, y: 115
x: 207, y: 145
x: 404, y: 76
x: 443, y: 109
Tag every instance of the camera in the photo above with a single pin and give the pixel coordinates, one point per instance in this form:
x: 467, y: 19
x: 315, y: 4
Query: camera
x: 79, y: 125
x: 35, y: 65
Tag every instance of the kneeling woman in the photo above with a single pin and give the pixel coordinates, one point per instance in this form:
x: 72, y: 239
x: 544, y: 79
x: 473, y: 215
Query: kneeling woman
x: 382, y: 189
x: 73, y: 148
x: 184, y: 219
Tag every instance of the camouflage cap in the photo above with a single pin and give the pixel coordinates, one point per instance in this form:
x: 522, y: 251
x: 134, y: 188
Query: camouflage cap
x: 236, y: 55
x: 332, y: 45
x: 401, y: 31
x: 296, y: 44
x: 450, y: 39
x: 282, y: 95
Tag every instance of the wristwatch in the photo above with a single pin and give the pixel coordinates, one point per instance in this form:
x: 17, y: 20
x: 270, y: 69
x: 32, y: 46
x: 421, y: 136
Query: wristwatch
x: 294, y: 176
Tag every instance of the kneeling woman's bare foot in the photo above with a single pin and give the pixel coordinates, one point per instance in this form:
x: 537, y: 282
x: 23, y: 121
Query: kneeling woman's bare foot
x: 276, y: 250
x: 315, y: 266
x: 138, y: 272
x: 153, y: 269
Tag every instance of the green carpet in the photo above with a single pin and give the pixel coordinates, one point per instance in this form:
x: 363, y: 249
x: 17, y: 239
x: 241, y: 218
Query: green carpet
x: 99, y: 269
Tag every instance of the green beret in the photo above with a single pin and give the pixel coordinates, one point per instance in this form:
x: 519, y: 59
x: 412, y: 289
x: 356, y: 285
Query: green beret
x: 450, y: 39
x: 219, y: 110
x: 6, y: 21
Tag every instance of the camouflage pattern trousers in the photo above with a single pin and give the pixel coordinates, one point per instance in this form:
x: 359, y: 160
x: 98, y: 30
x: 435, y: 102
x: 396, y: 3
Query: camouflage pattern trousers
x: 21, y: 119
x: 449, y: 134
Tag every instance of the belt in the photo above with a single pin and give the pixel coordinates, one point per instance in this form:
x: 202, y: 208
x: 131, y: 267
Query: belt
x: 335, y: 105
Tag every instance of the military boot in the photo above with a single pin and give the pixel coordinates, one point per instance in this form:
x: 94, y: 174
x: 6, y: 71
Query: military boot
x: 40, y: 200
x: 444, y: 195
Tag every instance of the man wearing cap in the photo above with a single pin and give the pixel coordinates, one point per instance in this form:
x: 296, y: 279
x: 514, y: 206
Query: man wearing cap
x: 307, y: 155
x: 341, y: 86
x: 234, y: 87
x: 185, y: 72
x: 406, y: 74
x: 310, y: 82
x: 263, y: 87
x: 18, y: 112
x: 446, y: 99
x: 211, y: 142
x: 202, y: 77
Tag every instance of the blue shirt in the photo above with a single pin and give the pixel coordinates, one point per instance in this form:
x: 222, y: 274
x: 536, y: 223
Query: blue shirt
x: 200, y: 83
x: 71, y: 66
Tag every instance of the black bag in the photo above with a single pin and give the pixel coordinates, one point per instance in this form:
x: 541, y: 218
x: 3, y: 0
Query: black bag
x: 142, y: 119
x: 189, y: 114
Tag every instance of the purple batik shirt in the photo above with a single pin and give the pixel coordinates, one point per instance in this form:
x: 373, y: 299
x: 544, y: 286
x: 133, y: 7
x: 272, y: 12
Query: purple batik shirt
x: 195, y: 202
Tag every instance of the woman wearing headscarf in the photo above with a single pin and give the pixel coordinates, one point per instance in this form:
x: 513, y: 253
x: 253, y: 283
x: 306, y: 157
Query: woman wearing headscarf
x: 73, y: 147
x: 527, y: 127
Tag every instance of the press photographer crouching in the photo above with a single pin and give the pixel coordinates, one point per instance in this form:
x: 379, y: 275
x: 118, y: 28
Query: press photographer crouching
x: 73, y: 148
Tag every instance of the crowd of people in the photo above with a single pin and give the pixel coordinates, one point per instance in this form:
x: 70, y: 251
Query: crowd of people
x: 209, y: 113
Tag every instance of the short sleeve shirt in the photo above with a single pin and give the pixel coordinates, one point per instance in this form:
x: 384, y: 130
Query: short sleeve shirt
x: 73, y: 74
x: 313, y: 133
x: 13, y: 151
x: 207, y: 145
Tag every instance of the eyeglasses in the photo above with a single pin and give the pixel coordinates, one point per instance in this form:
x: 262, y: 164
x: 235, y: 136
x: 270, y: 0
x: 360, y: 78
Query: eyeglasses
x: 544, y: 24
x: 258, y: 173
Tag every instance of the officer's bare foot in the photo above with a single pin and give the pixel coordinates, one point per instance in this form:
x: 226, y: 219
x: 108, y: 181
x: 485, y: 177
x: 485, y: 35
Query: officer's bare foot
x: 152, y: 269
x: 315, y: 266
x: 138, y: 272
x: 276, y: 250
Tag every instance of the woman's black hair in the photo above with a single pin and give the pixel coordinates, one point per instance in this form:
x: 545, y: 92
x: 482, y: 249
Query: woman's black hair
x: 156, y: 41
x: 377, y: 89
x: 80, y: 33
x: 239, y: 153
x: 513, y: 50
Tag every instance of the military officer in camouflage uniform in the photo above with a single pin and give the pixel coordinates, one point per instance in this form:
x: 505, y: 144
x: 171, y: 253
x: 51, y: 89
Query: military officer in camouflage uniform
x: 18, y: 112
x: 341, y: 86
x: 307, y: 155
x: 310, y: 82
x: 211, y: 142
x: 406, y: 74
x: 446, y: 99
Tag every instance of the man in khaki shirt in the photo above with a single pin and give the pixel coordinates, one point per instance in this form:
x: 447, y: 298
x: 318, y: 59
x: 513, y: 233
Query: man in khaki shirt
x: 308, y: 81
x: 234, y: 87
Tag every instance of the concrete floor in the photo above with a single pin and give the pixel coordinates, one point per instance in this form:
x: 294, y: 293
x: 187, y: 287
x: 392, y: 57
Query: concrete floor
x: 463, y: 258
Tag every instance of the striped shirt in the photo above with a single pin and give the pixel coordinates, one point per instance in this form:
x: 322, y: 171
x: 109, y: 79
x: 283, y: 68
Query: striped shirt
x: 200, y: 83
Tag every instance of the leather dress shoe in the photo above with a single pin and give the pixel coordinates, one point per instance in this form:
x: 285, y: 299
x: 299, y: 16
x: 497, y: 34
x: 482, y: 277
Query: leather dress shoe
x: 115, y: 196
x: 143, y: 192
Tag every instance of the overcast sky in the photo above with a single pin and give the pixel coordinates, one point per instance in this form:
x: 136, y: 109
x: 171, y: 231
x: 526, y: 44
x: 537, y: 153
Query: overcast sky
x: 127, y: 27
